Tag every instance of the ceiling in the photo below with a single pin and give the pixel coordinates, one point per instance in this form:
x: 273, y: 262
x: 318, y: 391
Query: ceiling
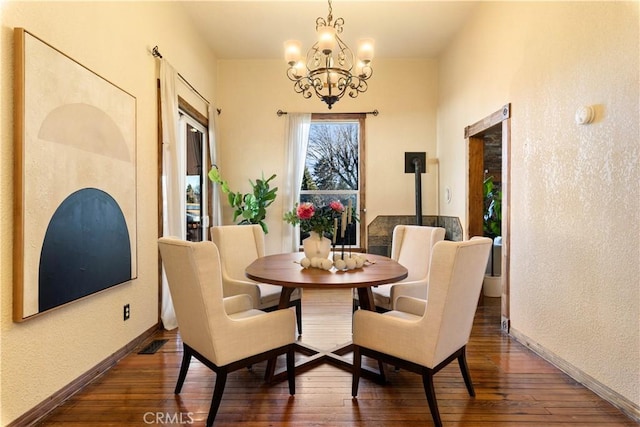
x: 257, y: 29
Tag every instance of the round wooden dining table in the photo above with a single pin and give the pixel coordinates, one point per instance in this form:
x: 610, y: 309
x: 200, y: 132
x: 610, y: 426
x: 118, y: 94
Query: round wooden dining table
x: 285, y: 270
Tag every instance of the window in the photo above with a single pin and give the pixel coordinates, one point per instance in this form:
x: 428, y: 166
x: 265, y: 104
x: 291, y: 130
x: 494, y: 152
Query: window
x: 196, y: 155
x: 333, y: 167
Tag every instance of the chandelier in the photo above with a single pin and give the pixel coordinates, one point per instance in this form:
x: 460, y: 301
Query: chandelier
x: 330, y: 69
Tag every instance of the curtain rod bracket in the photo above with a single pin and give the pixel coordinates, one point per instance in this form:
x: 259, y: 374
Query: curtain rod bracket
x: 155, y: 52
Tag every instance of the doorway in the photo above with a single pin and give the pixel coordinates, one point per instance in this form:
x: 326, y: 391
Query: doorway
x: 488, y: 142
x: 193, y: 140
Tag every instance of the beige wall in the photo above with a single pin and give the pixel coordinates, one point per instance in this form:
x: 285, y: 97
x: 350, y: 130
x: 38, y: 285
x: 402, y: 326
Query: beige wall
x: 252, y: 135
x: 575, y: 198
x: 44, y: 354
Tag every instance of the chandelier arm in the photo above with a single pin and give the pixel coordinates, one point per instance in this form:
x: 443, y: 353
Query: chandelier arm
x: 320, y: 22
x: 292, y: 74
x: 365, y: 73
x: 357, y: 87
x: 303, y: 89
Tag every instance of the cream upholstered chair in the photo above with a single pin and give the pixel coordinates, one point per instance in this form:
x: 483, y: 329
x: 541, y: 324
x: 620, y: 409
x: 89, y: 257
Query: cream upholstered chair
x: 423, y: 336
x: 225, y: 334
x: 410, y: 246
x: 239, y: 246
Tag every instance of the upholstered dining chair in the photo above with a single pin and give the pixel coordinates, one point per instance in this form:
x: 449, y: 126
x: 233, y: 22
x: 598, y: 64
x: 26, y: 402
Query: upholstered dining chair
x: 239, y: 246
x: 410, y: 246
x: 423, y: 336
x: 225, y: 334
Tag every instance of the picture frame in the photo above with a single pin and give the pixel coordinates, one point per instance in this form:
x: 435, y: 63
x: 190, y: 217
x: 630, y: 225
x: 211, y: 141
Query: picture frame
x: 75, y: 213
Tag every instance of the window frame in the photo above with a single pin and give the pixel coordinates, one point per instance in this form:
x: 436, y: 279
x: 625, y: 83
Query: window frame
x: 185, y: 121
x: 361, y: 235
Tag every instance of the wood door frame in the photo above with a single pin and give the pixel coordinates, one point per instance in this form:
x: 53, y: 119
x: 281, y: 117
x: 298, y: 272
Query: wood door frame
x: 475, y: 208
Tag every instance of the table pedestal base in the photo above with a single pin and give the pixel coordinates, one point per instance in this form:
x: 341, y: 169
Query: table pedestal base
x: 284, y: 270
x: 333, y: 356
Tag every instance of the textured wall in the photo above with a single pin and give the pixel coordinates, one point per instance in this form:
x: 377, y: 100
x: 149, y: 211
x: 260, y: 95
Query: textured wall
x: 574, y: 188
x: 42, y: 355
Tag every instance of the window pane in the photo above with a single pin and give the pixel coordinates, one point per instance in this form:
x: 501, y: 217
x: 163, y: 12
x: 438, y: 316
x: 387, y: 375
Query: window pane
x: 194, y: 183
x: 332, y: 157
x: 332, y: 168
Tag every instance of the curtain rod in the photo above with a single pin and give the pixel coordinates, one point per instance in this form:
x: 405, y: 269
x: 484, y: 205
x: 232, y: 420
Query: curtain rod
x: 156, y: 53
x: 281, y: 113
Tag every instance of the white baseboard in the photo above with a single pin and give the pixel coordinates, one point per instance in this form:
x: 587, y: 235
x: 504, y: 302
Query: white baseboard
x: 629, y: 408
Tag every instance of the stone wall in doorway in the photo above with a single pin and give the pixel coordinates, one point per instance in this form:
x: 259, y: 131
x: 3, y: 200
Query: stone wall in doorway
x: 380, y: 230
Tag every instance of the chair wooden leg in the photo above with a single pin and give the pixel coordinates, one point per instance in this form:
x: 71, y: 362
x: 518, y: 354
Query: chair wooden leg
x: 291, y: 370
x: 464, y: 368
x: 383, y: 377
x: 427, y: 382
x: 271, y: 369
x: 184, y: 367
x: 299, y: 315
x: 221, y: 380
x: 357, y: 363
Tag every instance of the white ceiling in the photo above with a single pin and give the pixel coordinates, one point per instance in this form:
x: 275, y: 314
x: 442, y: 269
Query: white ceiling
x: 243, y: 29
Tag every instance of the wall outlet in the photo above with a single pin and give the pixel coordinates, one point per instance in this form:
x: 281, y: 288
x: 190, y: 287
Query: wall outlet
x: 126, y: 312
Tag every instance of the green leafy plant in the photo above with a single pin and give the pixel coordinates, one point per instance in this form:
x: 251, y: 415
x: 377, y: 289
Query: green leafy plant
x: 250, y: 207
x: 492, y: 209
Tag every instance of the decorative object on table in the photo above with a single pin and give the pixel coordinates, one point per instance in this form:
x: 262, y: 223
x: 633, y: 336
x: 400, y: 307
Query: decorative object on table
x: 316, y: 246
x: 330, y: 69
x: 344, y: 224
x: 318, y: 222
x: 75, y: 233
x: 351, y: 262
x: 251, y: 207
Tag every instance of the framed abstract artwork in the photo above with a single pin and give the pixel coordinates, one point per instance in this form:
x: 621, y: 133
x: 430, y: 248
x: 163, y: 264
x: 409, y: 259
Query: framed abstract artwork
x: 75, y: 219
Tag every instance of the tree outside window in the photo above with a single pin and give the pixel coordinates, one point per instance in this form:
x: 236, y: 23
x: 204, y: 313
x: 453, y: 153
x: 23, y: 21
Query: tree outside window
x: 332, y: 168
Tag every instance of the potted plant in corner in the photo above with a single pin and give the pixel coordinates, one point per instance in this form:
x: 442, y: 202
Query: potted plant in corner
x: 492, y: 225
x: 250, y: 207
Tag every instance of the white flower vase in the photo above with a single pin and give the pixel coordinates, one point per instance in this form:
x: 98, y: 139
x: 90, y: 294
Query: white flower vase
x: 316, y: 246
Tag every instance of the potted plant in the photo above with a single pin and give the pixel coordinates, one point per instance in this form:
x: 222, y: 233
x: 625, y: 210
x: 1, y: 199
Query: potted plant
x: 492, y: 208
x: 492, y: 227
x: 250, y: 207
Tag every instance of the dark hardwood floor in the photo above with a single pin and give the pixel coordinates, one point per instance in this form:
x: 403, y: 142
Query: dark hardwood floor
x: 514, y: 387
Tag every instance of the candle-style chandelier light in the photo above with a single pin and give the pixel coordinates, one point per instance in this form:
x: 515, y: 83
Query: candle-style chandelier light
x: 330, y: 69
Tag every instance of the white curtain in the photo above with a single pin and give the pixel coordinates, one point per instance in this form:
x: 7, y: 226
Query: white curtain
x: 295, y: 152
x: 216, y: 214
x: 173, y: 204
